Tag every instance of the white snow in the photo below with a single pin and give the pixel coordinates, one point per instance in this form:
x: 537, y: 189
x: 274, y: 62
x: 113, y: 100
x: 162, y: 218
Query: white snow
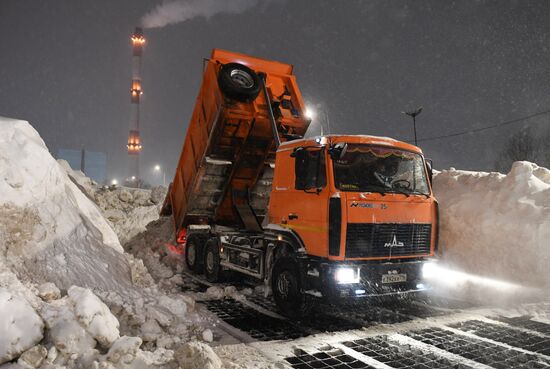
x: 127, y: 210
x: 20, y: 326
x: 497, y: 225
x: 124, y: 348
x: 33, y: 357
x: 68, y: 289
x: 197, y: 355
x: 49, y: 230
x: 207, y: 335
x: 48, y: 292
x: 94, y: 315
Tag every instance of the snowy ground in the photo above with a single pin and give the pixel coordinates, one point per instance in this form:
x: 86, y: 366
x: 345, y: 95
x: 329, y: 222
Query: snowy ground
x: 88, y: 280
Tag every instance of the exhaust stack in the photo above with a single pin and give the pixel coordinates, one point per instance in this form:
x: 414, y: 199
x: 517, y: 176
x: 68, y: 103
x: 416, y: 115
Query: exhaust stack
x: 134, y: 139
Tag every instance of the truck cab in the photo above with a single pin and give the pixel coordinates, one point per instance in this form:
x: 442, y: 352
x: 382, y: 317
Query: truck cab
x: 363, y: 210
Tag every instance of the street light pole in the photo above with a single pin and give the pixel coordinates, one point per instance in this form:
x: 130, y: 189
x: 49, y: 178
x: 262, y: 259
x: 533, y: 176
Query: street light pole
x: 413, y: 114
x: 311, y: 113
x: 327, y: 120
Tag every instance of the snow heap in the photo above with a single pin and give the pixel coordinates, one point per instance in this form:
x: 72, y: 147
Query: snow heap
x: 70, y: 297
x: 48, y: 228
x: 497, y: 225
x: 134, y: 215
x: 128, y: 210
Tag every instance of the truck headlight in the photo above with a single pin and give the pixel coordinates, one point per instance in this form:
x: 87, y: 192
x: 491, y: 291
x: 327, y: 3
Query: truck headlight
x: 347, y: 275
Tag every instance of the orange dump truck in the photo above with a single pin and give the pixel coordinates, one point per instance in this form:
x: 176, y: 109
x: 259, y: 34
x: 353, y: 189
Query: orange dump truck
x: 332, y: 217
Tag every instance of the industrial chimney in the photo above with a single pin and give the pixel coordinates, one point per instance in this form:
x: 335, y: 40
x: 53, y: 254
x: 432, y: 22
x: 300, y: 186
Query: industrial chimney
x: 134, y: 140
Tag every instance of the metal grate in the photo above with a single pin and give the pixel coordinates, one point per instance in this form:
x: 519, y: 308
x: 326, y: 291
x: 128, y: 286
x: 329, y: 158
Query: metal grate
x: 399, y: 356
x: 332, y: 318
x: 525, y: 322
x: 446, y: 303
x: 257, y: 325
x: 477, y: 350
x: 264, y: 327
x: 370, y: 315
x: 324, y: 318
x: 387, y: 239
x: 510, y: 336
x: 318, y: 321
x: 325, y: 360
x: 264, y: 302
x: 418, y: 310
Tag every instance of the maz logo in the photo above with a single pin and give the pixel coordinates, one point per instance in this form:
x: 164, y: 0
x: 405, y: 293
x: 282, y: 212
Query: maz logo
x: 394, y: 243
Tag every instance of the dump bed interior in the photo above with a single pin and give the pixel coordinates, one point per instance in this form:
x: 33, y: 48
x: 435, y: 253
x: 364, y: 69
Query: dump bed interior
x: 225, y: 169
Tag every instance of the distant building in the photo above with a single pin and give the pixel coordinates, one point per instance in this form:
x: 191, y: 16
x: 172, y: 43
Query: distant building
x: 92, y: 163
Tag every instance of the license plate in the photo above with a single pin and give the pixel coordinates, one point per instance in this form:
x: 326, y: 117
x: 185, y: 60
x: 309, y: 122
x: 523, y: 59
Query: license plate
x: 394, y: 278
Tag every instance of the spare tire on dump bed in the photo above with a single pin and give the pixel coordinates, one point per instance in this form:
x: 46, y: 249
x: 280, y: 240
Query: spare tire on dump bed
x: 238, y: 82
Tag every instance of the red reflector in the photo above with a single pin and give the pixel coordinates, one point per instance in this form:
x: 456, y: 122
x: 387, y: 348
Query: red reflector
x: 182, y: 236
x: 177, y: 249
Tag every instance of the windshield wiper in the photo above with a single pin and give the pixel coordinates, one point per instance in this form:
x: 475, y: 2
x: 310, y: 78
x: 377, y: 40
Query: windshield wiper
x: 369, y: 189
x: 395, y: 190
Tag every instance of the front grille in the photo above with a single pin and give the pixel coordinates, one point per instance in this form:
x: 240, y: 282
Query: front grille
x: 387, y: 239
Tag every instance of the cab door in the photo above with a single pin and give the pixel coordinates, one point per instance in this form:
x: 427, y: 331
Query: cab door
x: 302, y: 203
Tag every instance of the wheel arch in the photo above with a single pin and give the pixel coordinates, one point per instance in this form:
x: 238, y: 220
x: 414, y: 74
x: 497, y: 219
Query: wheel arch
x: 282, y: 242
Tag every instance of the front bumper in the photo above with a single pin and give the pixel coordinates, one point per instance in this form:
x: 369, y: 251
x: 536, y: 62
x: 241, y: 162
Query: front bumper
x: 320, y: 279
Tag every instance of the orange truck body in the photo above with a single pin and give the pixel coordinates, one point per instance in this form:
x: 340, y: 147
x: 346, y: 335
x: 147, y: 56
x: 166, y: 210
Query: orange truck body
x: 233, y: 133
x: 236, y: 195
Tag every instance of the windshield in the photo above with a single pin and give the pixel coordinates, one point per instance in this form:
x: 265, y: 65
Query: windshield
x: 366, y: 168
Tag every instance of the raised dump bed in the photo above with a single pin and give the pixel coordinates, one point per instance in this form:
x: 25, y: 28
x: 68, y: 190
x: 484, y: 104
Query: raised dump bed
x: 228, y: 155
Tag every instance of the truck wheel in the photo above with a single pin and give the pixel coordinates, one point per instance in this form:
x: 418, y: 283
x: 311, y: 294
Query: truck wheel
x: 193, y: 252
x: 239, y: 82
x: 212, y: 260
x: 287, y: 288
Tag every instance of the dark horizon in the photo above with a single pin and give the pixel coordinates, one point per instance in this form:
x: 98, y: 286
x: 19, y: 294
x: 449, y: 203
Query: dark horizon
x: 66, y: 67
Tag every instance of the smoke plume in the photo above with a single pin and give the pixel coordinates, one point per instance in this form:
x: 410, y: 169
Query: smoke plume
x: 175, y: 11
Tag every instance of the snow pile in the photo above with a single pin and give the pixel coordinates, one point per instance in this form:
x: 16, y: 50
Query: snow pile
x: 69, y: 295
x: 128, y: 210
x: 497, y: 225
x: 150, y: 246
x: 49, y: 230
x: 78, y: 326
x: 134, y: 215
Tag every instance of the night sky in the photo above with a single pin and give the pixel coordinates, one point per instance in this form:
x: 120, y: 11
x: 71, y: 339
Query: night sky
x: 65, y: 66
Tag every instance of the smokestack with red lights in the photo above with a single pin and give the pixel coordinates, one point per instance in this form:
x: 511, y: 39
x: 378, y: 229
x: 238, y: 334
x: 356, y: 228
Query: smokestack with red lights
x: 134, y: 140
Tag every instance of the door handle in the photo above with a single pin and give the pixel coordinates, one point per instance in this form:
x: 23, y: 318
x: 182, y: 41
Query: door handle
x: 292, y: 216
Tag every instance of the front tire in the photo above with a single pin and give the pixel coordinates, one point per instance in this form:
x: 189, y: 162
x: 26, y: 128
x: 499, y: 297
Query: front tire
x: 212, y: 268
x: 287, y: 288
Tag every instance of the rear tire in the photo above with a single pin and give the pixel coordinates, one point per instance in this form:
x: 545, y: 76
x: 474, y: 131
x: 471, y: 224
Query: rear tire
x: 287, y: 288
x: 193, y: 252
x: 212, y: 268
x: 238, y: 82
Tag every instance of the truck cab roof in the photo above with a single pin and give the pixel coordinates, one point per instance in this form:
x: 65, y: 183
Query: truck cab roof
x: 356, y: 139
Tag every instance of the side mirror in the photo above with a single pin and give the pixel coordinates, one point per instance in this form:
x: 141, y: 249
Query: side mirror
x: 429, y: 166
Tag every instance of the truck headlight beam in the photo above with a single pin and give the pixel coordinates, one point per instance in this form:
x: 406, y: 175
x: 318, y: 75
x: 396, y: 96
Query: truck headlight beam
x: 345, y: 275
